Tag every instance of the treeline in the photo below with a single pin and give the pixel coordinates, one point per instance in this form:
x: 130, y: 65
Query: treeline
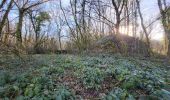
x: 48, y: 26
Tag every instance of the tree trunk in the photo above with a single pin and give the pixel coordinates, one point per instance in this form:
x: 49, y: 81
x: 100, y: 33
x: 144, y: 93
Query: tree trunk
x: 167, y: 32
x: 2, y: 23
x: 118, y: 10
x: 144, y: 29
x: 6, y: 35
x: 117, y: 26
x: 59, y: 39
x: 19, y: 27
x: 164, y: 10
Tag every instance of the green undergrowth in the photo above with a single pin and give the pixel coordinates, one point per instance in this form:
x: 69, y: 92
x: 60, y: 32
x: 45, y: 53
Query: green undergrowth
x: 73, y: 77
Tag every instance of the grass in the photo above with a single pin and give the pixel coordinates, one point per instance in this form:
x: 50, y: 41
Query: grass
x: 70, y: 77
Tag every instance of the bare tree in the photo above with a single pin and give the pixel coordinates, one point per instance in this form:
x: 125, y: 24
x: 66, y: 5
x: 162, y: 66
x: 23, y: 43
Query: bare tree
x: 118, y: 7
x: 23, y: 6
x: 144, y: 28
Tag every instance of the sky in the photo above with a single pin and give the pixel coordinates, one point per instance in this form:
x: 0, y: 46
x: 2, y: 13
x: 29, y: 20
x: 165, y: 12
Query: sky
x: 150, y: 11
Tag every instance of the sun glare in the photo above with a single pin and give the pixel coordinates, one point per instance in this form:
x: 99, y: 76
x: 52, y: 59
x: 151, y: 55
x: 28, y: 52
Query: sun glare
x: 156, y: 35
x: 126, y: 30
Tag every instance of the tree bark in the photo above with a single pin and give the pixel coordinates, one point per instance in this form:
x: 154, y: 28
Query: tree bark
x: 19, y: 26
x: 117, y: 26
x: 59, y: 39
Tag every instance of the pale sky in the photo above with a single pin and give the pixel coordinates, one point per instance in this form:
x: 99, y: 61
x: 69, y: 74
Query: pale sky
x: 150, y: 11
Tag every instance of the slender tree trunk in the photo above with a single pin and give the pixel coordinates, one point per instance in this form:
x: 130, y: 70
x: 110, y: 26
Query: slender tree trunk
x: 89, y: 15
x: 127, y: 17
x: 144, y: 29
x: 83, y: 15
x: 19, y: 27
x: 135, y: 19
x: 7, y: 32
x: 79, y: 35
x: 117, y: 26
x: 167, y: 31
x: 2, y: 23
x: 59, y: 39
x: 84, y: 39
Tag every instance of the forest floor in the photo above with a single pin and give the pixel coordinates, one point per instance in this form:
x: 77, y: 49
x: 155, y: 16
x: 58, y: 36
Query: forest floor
x: 94, y: 77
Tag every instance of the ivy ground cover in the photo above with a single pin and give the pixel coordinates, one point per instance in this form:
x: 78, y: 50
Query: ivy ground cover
x: 79, y: 77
